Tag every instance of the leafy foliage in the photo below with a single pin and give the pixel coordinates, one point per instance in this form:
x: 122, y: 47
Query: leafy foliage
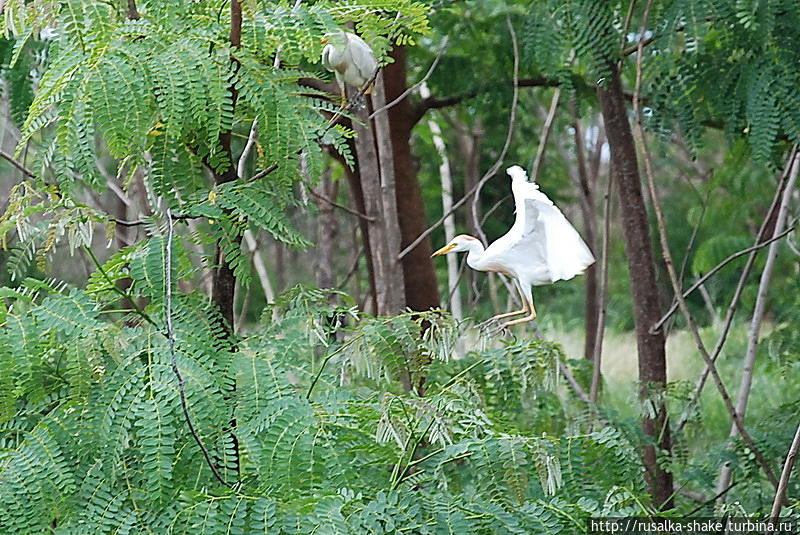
x: 158, y: 93
x: 101, y: 443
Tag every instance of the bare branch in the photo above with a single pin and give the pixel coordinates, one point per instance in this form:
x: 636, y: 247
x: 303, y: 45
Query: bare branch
x: 335, y: 204
x: 511, y: 123
x: 546, y: 129
x: 780, y: 495
x: 603, y: 297
x: 713, y: 270
x: 729, y: 315
x: 418, y: 84
x: 10, y: 159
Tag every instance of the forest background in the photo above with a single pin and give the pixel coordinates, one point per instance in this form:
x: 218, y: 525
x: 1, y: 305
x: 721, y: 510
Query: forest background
x: 220, y: 315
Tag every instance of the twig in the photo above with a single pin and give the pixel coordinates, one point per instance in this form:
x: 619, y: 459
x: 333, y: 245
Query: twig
x: 490, y: 173
x: 759, y: 308
x: 13, y: 161
x: 662, y: 233
x: 780, y: 495
x: 137, y: 222
x: 425, y: 78
x: 713, y: 270
x: 335, y: 204
x: 729, y: 315
x: 173, y: 355
x: 511, y: 123
x: 711, y: 500
x: 546, y: 129
x: 248, y: 147
x: 352, y: 270
x: 580, y: 392
x: 116, y: 289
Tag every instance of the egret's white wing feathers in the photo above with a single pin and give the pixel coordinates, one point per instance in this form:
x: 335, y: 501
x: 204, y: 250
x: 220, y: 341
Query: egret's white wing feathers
x: 546, y: 247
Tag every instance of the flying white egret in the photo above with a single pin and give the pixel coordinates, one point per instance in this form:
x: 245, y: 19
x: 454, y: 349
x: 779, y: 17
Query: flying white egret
x: 349, y: 58
x: 542, y: 247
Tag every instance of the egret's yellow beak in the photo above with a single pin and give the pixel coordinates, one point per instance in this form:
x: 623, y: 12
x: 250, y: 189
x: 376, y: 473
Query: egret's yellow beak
x: 324, y: 41
x: 444, y: 250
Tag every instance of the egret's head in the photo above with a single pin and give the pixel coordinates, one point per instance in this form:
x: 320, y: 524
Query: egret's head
x: 517, y: 173
x: 336, y: 37
x: 459, y: 244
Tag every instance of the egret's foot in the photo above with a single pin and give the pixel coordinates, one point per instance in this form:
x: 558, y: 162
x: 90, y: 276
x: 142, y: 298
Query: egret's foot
x: 358, y: 102
x: 530, y: 317
x: 502, y: 316
x: 484, y: 324
x: 502, y: 331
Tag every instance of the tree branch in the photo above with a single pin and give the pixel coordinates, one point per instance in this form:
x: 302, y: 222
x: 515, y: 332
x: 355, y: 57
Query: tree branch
x: 512, y: 119
x: 713, y: 270
x: 10, y: 159
x: 780, y: 495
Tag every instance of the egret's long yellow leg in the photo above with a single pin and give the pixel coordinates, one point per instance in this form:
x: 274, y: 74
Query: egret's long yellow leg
x: 524, y: 309
x: 529, y: 317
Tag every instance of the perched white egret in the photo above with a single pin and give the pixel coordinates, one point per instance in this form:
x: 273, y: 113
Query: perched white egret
x: 542, y: 246
x: 349, y: 58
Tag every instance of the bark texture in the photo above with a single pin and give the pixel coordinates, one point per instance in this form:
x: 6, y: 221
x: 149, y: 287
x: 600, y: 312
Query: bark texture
x: 388, y: 275
x: 638, y: 246
x: 419, y: 275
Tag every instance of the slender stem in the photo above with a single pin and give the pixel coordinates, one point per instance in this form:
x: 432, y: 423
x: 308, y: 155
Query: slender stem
x: 325, y: 362
x: 780, y: 495
x: 425, y: 78
x: 173, y: 354
x: 13, y: 161
x: 602, y: 305
x: 713, y: 270
x: 546, y: 129
x: 729, y: 315
x: 512, y: 119
x: 119, y: 291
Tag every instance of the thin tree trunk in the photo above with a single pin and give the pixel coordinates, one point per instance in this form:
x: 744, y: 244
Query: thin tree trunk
x: 602, y: 301
x: 447, y: 204
x: 261, y: 268
x: 644, y: 291
x: 419, y: 274
x: 469, y: 142
x: 726, y: 471
x: 326, y: 232
x: 223, y: 282
x: 586, y: 189
x: 375, y: 189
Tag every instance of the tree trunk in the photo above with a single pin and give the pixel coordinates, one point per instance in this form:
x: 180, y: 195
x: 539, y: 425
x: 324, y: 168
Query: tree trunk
x: 375, y: 189
x: 419, y: 275
x: 326, y: 232
x: 652, y: 357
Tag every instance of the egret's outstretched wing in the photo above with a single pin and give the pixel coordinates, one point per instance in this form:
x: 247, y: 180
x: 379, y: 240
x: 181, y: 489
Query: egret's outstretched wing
x: 543, y: 246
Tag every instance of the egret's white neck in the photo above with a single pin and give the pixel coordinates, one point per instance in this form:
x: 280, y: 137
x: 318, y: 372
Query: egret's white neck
x: 474, y: 253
